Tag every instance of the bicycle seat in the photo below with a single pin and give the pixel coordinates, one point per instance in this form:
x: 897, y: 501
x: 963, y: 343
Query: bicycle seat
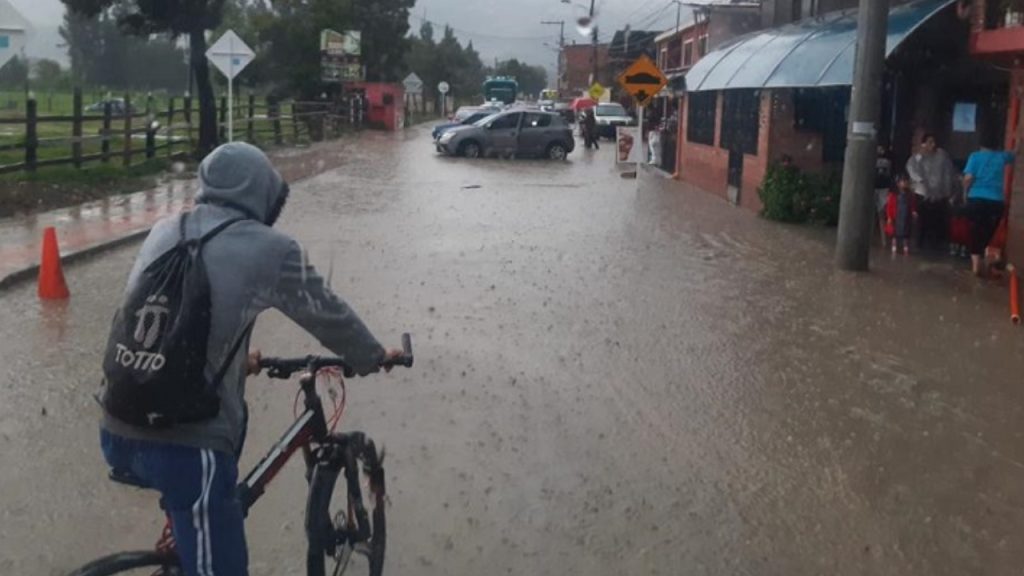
x: 127, y: 477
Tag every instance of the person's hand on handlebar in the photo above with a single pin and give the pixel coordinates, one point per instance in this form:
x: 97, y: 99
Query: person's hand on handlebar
x: 391, y: 354
x: 253, y: 363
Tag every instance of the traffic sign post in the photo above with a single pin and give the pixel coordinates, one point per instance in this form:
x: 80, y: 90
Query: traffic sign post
x: 443, y: 88
x: 230, y: 55
x: 642, y: 80
x: 413, y: 84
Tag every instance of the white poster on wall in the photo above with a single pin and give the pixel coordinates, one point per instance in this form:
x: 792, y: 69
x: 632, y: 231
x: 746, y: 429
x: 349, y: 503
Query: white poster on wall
x: 965, y: 117
x: 628, y: 147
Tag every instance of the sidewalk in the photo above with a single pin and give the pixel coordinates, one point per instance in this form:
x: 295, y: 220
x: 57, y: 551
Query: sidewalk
x: 103, y: 224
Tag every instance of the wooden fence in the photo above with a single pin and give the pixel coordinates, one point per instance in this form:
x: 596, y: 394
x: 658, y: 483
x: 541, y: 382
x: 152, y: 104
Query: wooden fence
x: 123, y: 134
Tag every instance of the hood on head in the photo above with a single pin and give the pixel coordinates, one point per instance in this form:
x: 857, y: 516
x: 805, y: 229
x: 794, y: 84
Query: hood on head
x: 241, y: 176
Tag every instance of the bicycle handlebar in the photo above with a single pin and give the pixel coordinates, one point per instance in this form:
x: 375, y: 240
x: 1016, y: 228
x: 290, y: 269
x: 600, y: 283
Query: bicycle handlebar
x: 283, y: 368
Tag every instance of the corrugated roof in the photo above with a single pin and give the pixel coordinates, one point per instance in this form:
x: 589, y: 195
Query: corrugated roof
x: 812, y: 52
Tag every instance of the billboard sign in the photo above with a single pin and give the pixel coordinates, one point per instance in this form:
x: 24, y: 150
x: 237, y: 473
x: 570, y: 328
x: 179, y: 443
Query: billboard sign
x: 339, y: 56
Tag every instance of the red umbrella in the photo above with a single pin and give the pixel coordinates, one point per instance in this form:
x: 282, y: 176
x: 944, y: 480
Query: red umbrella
x: 582, y: 104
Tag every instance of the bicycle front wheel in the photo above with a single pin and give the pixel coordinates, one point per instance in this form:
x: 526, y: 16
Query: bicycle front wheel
x: 346, y: 535
x: 149, y: 563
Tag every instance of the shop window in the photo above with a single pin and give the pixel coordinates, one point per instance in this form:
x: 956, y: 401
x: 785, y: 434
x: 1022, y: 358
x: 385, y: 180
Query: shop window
x: 741, y: 112
x: 824, y: 110
x: 700, y: 117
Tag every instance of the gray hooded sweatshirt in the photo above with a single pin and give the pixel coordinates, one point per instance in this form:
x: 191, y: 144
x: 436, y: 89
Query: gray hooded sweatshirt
x: 251, y: 267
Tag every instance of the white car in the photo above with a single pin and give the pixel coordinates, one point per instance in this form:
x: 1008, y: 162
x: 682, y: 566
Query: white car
x: 608, y: 116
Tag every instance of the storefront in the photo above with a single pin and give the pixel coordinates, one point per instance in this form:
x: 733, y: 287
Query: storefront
x: 784, y: 92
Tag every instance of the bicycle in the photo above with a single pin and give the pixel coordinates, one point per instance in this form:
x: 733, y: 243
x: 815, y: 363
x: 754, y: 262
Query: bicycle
x: 327, y: 456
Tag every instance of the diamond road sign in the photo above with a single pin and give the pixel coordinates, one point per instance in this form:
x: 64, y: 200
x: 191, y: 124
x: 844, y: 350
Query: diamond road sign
x: 413, y: 84
x: 642, y: 80
x: 230, y: 54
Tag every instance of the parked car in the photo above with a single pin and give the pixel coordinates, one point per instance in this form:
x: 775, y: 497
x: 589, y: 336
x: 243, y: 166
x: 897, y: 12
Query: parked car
x: 609, y: 115
x: 464, y: 115
x: 511, y: 133
x: 117, y: 107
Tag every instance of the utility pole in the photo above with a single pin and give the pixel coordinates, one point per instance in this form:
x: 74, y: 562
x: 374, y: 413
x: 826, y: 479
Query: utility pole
x: 593, y: 34
x: 561, y: 49
x: 856, y: 205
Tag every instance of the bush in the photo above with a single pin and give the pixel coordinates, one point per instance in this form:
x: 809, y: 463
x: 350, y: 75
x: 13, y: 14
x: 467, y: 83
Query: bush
x: 789, y: 195
x: 825, y: 191
x: 784, y: 194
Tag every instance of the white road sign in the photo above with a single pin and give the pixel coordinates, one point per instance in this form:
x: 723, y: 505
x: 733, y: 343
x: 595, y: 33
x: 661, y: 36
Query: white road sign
x: 443, y: 87
x: 413, y: 84
x: 14, y: 29
x: 230, y: 54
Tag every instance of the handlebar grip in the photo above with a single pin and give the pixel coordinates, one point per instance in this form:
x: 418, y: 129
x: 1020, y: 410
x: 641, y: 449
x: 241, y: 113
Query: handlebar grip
x: 407, y: 350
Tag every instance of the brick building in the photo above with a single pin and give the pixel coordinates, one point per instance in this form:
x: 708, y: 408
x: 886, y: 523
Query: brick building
x: 577, y: 65
x: 784, y: 91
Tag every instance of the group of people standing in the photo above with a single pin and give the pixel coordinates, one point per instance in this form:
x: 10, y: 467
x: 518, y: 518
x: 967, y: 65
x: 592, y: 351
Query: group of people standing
x: 950, y: 209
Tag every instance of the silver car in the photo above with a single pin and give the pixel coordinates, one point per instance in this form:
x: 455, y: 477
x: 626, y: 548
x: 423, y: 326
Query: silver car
x: 511, y: 133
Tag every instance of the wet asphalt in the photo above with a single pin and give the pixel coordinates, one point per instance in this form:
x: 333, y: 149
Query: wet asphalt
x: 613, y: 377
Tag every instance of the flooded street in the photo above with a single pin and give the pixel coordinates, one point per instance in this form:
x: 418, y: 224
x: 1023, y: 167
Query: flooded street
x: 611, y: 377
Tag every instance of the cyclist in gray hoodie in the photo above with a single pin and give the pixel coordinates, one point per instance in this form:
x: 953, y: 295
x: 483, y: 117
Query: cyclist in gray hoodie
x: 251, y: 267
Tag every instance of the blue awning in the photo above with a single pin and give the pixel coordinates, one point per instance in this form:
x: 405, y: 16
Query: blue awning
x: 815, y: 52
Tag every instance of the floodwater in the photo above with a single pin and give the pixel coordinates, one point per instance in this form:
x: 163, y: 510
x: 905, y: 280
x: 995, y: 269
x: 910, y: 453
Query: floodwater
x: 612, y: 377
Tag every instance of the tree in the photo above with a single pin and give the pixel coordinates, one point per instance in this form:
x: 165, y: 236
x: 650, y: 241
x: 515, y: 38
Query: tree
x: 384, y: 25
x: 446, y: 60
x: 47, y: 73
x: 189, y: 18
x: 531, y: 79
x: 102, y: 55
x: 14, y: 74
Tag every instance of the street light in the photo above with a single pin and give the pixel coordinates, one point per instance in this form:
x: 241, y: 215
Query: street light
x: 584, y: 23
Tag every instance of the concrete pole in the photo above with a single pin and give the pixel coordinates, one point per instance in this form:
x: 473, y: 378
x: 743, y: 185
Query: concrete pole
x: 856, y: 206
x: 593, y: 38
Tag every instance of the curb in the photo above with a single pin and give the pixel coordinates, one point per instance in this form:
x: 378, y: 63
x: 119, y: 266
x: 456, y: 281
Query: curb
x: 27, y: 272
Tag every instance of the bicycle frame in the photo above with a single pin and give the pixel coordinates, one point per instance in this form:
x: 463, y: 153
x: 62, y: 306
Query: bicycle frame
x: 309, y: 428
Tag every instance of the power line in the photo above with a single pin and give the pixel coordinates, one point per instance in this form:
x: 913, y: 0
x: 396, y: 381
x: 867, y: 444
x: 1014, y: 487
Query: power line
x: 652, y: 18
x: 478, y: 34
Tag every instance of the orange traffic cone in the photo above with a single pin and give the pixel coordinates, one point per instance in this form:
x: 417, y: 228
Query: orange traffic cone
x: 51, y: 277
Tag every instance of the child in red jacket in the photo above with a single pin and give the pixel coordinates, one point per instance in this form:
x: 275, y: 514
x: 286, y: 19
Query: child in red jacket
x: 900, y: 213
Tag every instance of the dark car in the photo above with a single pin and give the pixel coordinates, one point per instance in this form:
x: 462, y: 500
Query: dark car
x: 464, y: 115
x: 511, y: 133
x: 117, y: 107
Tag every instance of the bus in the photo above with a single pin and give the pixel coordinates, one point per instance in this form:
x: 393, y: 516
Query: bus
x: 501, y: 89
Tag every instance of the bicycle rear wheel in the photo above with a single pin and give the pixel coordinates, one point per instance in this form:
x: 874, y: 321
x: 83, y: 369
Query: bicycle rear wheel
x: 148, y: 563
x: 345, y: 535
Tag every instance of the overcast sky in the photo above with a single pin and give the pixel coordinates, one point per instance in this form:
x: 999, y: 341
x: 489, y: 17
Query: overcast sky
x: 499, y: 28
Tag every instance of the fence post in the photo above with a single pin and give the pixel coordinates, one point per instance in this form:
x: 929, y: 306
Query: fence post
x: 274, y: 111
x: 105, y: 143
x: 76, y: 128
x: 250, y: 129
x: 295, y: 124
x: 188, y: 120
x: 31, y: 141
x: 223, y: 119
x: 127, y: 130
x: 170, y: 127
x: 150, y: 141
